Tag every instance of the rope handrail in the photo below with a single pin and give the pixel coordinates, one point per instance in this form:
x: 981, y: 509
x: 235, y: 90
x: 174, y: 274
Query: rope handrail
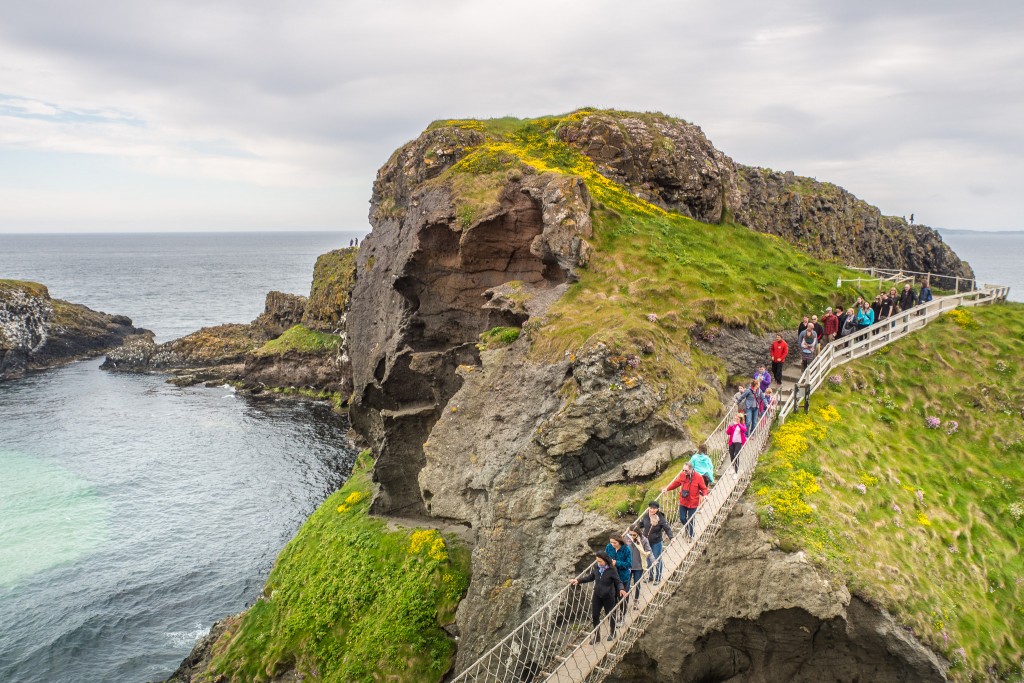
x: 555, y: 644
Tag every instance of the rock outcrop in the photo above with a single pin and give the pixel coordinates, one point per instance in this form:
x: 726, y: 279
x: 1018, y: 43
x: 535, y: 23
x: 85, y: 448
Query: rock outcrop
x: 751, y: 612
x: 418, y: 305
x: 671, y: 163
x: 296, y: 344
x: 38, y: 332
x: 490, y: 436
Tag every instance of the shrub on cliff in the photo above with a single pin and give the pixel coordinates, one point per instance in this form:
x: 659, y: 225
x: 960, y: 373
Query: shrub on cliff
x: 350, y: 601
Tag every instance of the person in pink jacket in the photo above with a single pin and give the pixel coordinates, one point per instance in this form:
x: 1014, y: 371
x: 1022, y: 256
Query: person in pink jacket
x: 736, y: 436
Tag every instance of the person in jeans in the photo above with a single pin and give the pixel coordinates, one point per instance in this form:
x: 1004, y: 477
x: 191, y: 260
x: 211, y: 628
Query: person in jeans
x: 607, y: 589
x: 750, y: 400
x: 736, y: 434
x: 640, y: 550
x: 692, y: 491
x: 623, y: 559
x: 652, y: 526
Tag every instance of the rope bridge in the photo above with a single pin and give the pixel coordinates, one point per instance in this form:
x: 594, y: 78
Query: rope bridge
x: 554, y: 643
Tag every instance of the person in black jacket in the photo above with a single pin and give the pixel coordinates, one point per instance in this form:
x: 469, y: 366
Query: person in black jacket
x: 651, y: 526
x: 608, y: 588
x: 908, y: 299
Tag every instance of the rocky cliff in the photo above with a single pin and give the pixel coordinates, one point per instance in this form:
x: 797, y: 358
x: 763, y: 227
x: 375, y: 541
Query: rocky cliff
x: 297, y: 344
x: 558, y: 230
x: 671, y: 163
x: 38, y: 332
x: 751, y: 612
x: 544, y: 317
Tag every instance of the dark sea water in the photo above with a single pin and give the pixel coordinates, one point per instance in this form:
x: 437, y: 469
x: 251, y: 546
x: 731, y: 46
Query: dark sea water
x: 134, y: 513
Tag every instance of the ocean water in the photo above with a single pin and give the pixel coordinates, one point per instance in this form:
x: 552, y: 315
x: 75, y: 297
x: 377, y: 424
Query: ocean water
x: 995, y: 256
x: 134, y: 513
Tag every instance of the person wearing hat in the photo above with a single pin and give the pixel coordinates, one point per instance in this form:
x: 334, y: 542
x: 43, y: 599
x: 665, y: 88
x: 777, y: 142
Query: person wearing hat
x: 830, y: 326
x: 652, y: 526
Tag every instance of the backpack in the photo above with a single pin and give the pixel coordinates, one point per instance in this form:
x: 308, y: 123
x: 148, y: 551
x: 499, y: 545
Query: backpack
x: 702, y: 465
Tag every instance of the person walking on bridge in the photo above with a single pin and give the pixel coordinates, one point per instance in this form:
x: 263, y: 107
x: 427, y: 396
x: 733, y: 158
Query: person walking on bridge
x: 779, y: 350
x: 750, y: 400
x: 640, y: 551
x: 622, y: 558
x: 607, y: 589
x: 763, y: 379
x: 736, y: 433
x: 692, y: 491
x: 652, y: 526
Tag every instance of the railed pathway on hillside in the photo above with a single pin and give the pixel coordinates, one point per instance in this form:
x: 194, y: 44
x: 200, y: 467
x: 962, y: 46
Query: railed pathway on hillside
x: 554, y: 643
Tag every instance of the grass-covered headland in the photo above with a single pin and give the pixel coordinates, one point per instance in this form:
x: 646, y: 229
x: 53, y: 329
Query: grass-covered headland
x: 657, y: 279
x: 350, y: 601
x: 907, y: 481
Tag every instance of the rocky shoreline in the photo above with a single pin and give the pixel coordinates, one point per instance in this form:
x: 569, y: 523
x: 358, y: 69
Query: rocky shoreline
x: 296, y: 346
x: 38, y: 332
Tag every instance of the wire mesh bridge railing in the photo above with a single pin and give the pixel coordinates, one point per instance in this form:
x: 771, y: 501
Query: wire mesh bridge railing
x: 557, y: 644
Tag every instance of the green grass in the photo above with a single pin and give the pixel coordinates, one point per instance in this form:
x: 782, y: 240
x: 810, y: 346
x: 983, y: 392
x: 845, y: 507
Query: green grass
x: 30, y: 288
x: 936, y: 535
x: 350, y: 601
x: 333, y: 276
x: 302, y: 340
x: 498, y: 336
x: 656, y: 280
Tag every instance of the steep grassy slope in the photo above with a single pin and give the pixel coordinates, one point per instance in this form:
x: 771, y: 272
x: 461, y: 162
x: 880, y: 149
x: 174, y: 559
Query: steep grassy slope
x: 907, y: 481
x: 350, y: 601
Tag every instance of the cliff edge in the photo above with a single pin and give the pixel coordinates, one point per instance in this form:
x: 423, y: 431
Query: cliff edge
x: 38, y: 332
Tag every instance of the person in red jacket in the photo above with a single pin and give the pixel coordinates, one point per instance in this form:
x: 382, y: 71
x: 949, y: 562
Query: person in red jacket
x: 692, y: 490
x: 779, y: 351
x: 830, y: 323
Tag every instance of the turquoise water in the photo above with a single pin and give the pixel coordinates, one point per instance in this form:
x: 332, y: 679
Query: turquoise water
x: 48, y: 517
x: 133, y: 513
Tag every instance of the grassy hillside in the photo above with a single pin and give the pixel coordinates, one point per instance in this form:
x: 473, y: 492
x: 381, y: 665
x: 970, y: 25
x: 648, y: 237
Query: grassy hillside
x: 349, y: 601
x: 907, y: 481
x: 657, y: 279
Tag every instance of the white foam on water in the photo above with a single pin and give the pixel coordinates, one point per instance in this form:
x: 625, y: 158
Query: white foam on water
x: 183, y: 639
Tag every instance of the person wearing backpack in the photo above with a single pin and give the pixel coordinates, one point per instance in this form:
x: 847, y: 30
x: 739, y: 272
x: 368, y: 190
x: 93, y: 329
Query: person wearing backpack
x: 692, y: 491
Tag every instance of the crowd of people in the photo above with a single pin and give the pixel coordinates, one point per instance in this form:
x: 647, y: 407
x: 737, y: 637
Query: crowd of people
x: 625, y: 559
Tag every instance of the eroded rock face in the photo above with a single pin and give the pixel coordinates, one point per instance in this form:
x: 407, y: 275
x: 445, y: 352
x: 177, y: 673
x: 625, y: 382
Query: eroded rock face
x: 37, y: 332
x: 671, y: 163
x: 665, y: 161
x: 423, y: 284
x: 512, y: 448
x: 748, y: 612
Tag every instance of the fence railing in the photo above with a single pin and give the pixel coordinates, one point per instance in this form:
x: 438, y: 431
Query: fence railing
x: 936, y: 280
x: 556, y: 643
x: 882, y: 333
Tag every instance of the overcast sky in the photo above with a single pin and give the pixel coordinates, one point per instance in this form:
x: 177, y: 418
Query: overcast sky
x: 223, y: 115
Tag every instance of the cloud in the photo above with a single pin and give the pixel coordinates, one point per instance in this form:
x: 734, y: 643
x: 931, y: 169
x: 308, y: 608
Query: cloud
x: 314, y: 96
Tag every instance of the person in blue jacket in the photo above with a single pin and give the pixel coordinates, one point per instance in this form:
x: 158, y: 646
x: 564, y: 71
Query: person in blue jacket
x: 866, y: 317
x: 622, y: 557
